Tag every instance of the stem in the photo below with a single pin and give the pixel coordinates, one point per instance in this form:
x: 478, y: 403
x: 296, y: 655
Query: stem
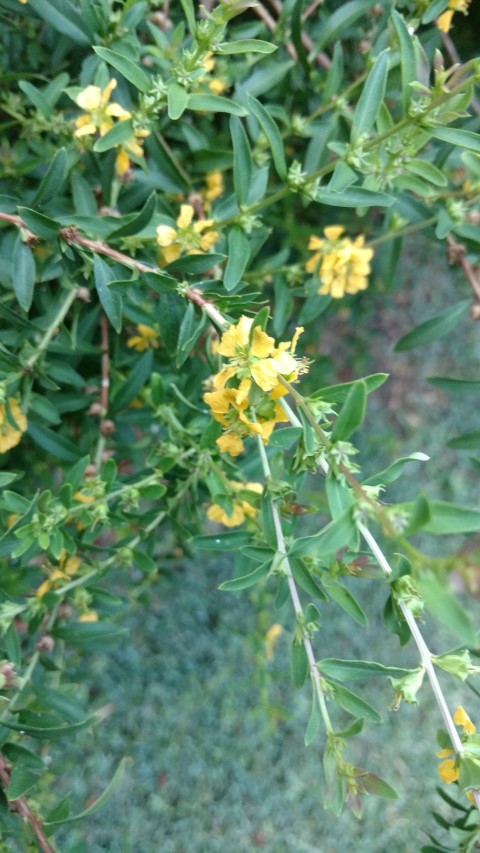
x: 48, y: 335
x: 297, y: 606
x: 22, y: 808
x: 402, y: 232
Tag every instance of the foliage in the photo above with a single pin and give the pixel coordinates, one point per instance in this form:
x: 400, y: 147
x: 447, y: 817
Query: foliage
x: 168, y: 172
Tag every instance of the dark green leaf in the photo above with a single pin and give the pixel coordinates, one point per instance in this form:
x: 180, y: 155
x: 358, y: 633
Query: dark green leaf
x: 305, y: 579
x: 189, y: 12
x: 170, y: 315
x: 372, y: 96
x: 222, y: 541
x: 352, y: 413
x: 194, y: 263
x: 50, y: 732
x: 466, y: 441
x: 137, y: 379
x: 53, y: 179
x: 95, y: 635
x: 388, y: 475
x: 242, y: 160
x: 457, y: 138
x: 344, y: 598
x: 246, y: 580
x: 434, y: 328
x: 314, y: 722
x: 354, y: 197
x: 177, y: 99
x: 285, y: 437
x: 245, y: 46
x: 41, y: 225
x: 130, y: 70
x: 62, y: 16
x: 339, y: 393
x: 21, y: 780
x: 298, y: 664
x: 332, y: 537
x: 454, y: 386
x: 57, y: 445
x: 120, y: 132
x: 23, y: 273
x: 354, y: 704
x: 408, y: 66
x: 238, y: 257
x: 215, y: 104
x: 272, y: 134
x: 139, y: 222
x: 110, y: 301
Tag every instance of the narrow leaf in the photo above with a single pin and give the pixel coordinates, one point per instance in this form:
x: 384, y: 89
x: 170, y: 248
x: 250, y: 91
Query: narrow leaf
x: 352, y: 413
x: 215, y: 104
x: 238, y: 257
x: 111, y: 302
x: 52, y: 181
x: 177, y: 99
x: 438, y: 326
x: 23, y: 273
x: 242, y: 160
x: 372, y: 96
x: 458, y: 138
x: 100, y: 801
x: 272, y: 134
x: 246, y: 580
x: 130, y: 70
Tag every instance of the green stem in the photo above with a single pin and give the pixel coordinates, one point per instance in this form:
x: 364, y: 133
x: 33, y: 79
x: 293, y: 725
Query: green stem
x: 52, y: 328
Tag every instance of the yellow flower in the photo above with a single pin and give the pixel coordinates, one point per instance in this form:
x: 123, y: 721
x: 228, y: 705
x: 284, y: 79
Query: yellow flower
x: 187, y: 237
x: 461, y: 718
x: 241, y: 509
x: 214, y: 186
x: 147, y: 338
x: 444, y: 21
x: 89, y: 616
x: 65, y: 570
x: 447, y: 770
x: 217, y: 85
x: 342, y: 264
x: 133, y: 147
x: 13, y: 424
x: 271, y: 639
x: 23, y: 1
x: 246, y: 390
x: 98, y: 112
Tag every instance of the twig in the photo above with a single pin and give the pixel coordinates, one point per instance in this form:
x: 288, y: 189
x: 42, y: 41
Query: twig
x: 456, y: 255
x: 321, y: 58
x: 21, y: 806
x: 455, y: 57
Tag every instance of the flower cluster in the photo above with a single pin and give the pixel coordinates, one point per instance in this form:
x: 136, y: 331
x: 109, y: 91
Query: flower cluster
x: 241, y: 508
x: 247, y: 389
x: 448, y: 769
x: 147, y: 338
x: 66, y: 569
x: 444, y: 22
x: 214, y: 186
x: 97, y: 118
x: 188, y: 237
x: 13, y: 424
x: 342, y: 264
x: 217, y: 85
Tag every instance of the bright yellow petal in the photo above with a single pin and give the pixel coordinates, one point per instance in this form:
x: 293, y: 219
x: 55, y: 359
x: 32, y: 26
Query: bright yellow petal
x: 117, y: 111
x: 186, y: 215
x: 265, y: 374
x: 333, y: 232
x: 165, y: 235
x: 231, y: 444
x: 216, y: 513
x: 447, y: 771
x: 122, y: 162
x: 461, y: 718
x: 105, y: 95
x: 90, y: 99
x: 262, y: 344
x: 444, y: 22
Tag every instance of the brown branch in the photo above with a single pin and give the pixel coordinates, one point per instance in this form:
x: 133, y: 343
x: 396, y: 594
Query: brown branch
x: 22, y: 808
x: 455, y: 58
x: 456, y: 255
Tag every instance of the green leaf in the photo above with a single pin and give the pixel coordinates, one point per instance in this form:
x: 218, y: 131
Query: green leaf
x: 37, y: 98
x: 61, y: 702
x: 215, y: 104
x: 52, y: 181
x: 246, y: 580
x: 339, y: 393
x: 21, y: 780
x: 7, y: 477
x: 388, y: 475
x: 427, y: 171
x: 245, y: 46
x: 100, y: 801
x: 83, y: 197
x: 408, y: 66
x: 435, y: 8
x: 177, y: 99
x: 372, y: 784
x: 222, y: 541
x: 354, y: 197
x: 23, y: 273
x: 120, y: 132
x: 285, y: 437
x: 351, y: 670
x: 272, y: 134
x: 333, y: 536
x: 352, y: 413
x: 137, y: 379
x: 242, y: 160
x: 50, y: 732
x: 40, y: 224
x: 466, y: 441
x: 372, y: 96
x: 170, y: 315
x: 438, y: 326
x: 189, y: 12
x: 314, y: 722
x: 126, y: 67
x: 457, y: 138
x: 298, y: 664
x: 354, y: 704
x: 445, y: 608
x: 57, y: 445
x: 194, y: 263
x: 62, y: 16
x: 111, y: 302
x: 455, y: 386
x: 139, y: 222
x: 341, y: 20
x: 91, y: 635
x: 190, y: 331
x: 344, y: 598
x: 305, y: 579
x: 448, y: 518
x: 238, y: 257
